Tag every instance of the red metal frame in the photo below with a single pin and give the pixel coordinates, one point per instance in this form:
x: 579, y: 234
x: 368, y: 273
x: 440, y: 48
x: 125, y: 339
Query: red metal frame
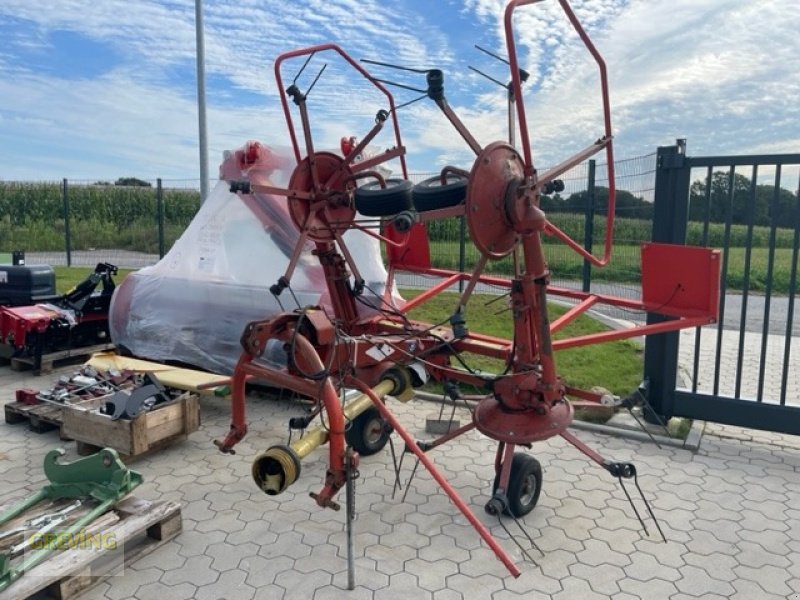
x: 526, y: 403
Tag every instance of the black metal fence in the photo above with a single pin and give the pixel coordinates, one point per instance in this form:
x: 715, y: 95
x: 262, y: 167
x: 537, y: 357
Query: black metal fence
x: 744, y: 370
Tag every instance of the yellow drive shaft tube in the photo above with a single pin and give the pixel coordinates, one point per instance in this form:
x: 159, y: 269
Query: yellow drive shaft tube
x: 279, y: 466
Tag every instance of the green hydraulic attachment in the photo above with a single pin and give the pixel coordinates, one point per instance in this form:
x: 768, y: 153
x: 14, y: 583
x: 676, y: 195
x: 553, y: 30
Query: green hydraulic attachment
x: 101, y: 477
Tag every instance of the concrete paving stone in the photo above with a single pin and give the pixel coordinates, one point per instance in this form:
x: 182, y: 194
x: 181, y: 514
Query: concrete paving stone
x: 577, y: 588
x: 194, y: 543
x: 556, y: 563
x: 390, y: 560
x: 448, y: 595
x: 755, y: 555
x: 338, y: 592
x: 316, y: 532
x: 719, y: 566
x: 575, y: 528
x: 725, y: 531
x: 711, y: 511
x: 443, y: 547
x: 705, y: 543
x: 598, y: 552
x: 231, y: 584
x: 532, y: 581
x: 696, y: 581
x: 602, y: 579
x: 432, y: 576
x: 261, y: 571
x: 281, y: 522
x: 196, y: 571
x: 224, y: 520
x: 289, y: 544
x: 553, y: 538
x: 748, y: 590
x: 772, y: 579
x: 160, y: 591
x: 653, y: 588
x: 227, y: 555
x: 682, y: 596
x: 677, y: 520
x: 622, y: 540
x: 774, y: 482
x: 405, y: 534
x: 429, y: 525
x: 402, y: 585
x: 323, y: 557
x: 126, y: 585
x: 644, y: 566
x: 256, y: 532
x: 477, y: 587
x: 576, y: 507
x: 463, y: 534
x: 773, y: 541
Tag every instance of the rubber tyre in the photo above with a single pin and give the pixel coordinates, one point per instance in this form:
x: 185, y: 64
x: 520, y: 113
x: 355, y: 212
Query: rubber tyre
x: 524, y: 485
x: 366, y: 433
x: 374, y: 201
x: 431, y: 194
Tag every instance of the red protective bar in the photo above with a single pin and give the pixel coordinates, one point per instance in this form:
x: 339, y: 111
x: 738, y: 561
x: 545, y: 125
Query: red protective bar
x: 357, y: 67
x: 621, y: 334
x: 411, y: 444
x: 572, y: 314
x: 606, y: 141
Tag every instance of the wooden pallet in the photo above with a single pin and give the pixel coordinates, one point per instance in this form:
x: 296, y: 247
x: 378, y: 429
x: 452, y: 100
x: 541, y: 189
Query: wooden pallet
x: 54, y: 359
x: 139, y: 527
x: 40, y: 417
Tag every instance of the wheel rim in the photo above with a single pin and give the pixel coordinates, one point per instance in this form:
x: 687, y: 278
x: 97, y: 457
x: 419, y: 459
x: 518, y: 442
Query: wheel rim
x: 373, y: 431
x: 528, y: 491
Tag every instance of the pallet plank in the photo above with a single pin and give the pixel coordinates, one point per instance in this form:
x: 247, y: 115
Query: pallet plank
x: 68, y: 573
x: 26, y: 363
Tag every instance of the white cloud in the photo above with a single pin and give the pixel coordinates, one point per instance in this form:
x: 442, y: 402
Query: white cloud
x: 721, y: 72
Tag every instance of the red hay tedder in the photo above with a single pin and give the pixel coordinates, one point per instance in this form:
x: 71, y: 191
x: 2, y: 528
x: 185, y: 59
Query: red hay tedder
x: 387, y: 354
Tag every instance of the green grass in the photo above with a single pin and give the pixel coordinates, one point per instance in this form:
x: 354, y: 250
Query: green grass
x: 68, y: 277
x: 625, y: 268
x: 616, y: 366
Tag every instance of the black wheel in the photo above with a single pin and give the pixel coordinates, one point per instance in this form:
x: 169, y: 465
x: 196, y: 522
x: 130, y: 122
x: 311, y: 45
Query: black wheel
x: 524, y: 485
x: 366, y: 433
x: 374, y: 201
x: 432, y: 194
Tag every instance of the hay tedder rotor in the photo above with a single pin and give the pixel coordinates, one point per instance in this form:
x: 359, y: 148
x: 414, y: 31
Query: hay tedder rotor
x: 349, y: 357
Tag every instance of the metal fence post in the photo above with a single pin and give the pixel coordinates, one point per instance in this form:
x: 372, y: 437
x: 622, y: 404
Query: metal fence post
x: 160, y: 217
x: 670, y: 215
x: 67, y: 236
x: 588, y: 228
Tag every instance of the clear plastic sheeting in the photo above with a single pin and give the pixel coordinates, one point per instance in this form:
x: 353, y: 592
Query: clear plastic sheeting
x: 192, y: 306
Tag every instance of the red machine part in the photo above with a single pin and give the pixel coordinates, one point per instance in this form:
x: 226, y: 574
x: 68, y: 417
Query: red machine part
x: 526, y: 403
x: 17, y: 322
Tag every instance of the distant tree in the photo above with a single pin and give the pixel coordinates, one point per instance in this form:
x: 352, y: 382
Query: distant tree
x: 627, y: 205
x: 102, y: 183
x: 132, y: 181
x: 743, y: 203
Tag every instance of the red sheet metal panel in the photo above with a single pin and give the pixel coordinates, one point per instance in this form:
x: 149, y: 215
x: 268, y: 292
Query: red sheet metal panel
x: 681, y: 281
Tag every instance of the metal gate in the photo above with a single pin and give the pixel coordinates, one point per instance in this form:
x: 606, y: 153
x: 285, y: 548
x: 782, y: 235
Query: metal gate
x: 746, y: 370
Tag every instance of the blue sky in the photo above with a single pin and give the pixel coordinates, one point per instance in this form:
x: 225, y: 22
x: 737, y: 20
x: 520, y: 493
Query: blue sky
x: 106, y: 88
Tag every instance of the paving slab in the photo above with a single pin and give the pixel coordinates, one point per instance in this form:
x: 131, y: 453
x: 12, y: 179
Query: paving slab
x: 729, y: 511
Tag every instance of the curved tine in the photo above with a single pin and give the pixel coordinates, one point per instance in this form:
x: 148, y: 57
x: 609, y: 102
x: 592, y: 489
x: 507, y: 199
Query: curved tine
x: 513, y: 539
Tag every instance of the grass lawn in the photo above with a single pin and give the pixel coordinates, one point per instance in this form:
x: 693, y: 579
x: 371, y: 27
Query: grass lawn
x: 68, y: 277
x: 616, y: 366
